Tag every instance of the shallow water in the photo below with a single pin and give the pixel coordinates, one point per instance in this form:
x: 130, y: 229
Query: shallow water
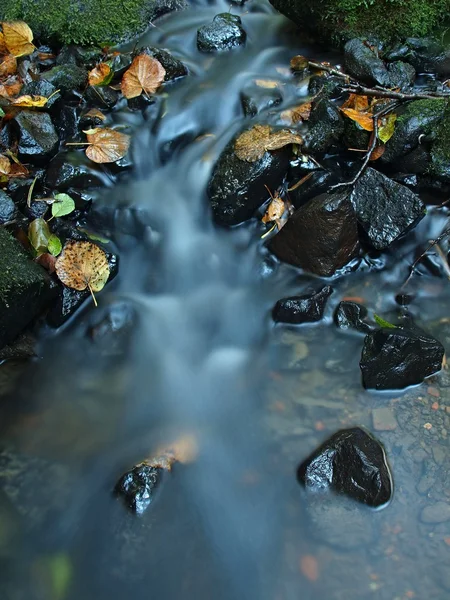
x: 193, y: 351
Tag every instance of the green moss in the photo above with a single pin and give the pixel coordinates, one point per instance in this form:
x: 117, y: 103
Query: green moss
x: 83, y: 21
x: 440, y: 153
x: 426, y: 111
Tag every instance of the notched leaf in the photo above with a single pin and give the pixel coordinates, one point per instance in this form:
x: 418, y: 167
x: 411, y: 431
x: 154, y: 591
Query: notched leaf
x: 255, y: 142
x: 145, y: 75
x: 106, y: 145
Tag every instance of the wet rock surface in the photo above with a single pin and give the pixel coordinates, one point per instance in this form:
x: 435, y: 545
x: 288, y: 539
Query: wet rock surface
x: 394, y: 358
x: 256, y: 99
x: 38, y: 139
x: 224, y: 33
x: 351, y: 315
x: 351, y: 463
x: 307, y: 308
x: 427, y: 55
x: 138, y: 486
x: 385, y: 209
x: 325, y: 127
x: 364, y: 64
x: 174, y: 68
x: 321, y: 236
x: 7, y: 208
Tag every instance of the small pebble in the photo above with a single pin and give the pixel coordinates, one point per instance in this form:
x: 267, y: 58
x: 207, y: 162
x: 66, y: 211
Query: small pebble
x: 432, y: 391
x: 435, y: 406
x: 428, y: 426
x: 436, y: 513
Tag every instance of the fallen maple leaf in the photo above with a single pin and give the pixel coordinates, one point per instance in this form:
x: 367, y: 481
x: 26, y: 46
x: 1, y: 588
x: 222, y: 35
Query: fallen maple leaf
x: 17, y: 38
x: 101, y: 74
x: 255, y: 142
x: 83, y: 265
x: 295, y: 115
x: 356, y: 101
x: 5, y: 165
x: 145, y: 74
x: 8, y: 66
x: 106, y: 145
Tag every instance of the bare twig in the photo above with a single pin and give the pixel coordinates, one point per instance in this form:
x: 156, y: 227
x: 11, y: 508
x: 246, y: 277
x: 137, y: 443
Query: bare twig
x: 383, y: 93
x: 431, y: 245
x: 332, y: 71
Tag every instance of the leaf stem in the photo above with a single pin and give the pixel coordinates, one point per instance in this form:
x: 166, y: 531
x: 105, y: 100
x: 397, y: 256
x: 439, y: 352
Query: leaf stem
x: 92, y: 294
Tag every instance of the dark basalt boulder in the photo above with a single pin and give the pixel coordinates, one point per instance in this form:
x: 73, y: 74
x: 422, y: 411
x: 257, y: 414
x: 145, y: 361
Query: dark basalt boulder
x: 255, y: 98
x: 138, y: 486
x: 351, y: 315
x: 224, y: 33
x: 306, y: 308
x: 385, y: 209
x: 364, y: 64
x: 426, y: 55
x: 174, y: 68
x: 38, y: 140
x: 237, y: 187
x: 321, y: 236
x: 325, y: 127
x: 394, y: 358
x: 7, y: 208
x: 351, y: 463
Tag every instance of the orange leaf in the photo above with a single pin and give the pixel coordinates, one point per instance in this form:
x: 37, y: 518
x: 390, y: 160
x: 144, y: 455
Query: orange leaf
x: 268, y: 84
x: 8, y: 90
x: 100, y: 75
x: 18, y: 37
x: 106, y: 145
x: 145, y: 74
x: 275, y: 210
x: 359, y: 103
x: 378, y: 151
x: 309, y: 567
x: 363, y: 119
x: 298, y: 63
x: 8, y: 66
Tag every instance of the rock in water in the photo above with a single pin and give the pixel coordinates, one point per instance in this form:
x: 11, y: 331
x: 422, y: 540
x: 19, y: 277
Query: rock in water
x: 307, y: 308
x: 321, y: 236
x: 224, y: 33
x: 237, y: 187
x: 351, y: 315
x: 352, y: 463
x: 38, y: 140
x: 137, y: 487
x: 385, y: 209
x: 394, y: 358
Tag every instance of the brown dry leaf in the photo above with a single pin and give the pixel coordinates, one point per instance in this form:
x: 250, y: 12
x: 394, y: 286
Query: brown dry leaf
x: 275, y: 210
x: 184, y: 450
x: 254, y: 143
x: 30, y: 101
x: 106, y: 145
x: 18, y: 170
x: 8, y: 66
x: 295, y: 115
x: 5, y: 165
x: 378, y: 151
x: 145, y: 74
x: 83, y: 265
x: 95, y: 113
x: 309, y: 567
x: 10, y: 89
x: 268, y: 84
x: 100, y: 75
x: 3, y: 48
x: 298, y: 63
x: 356, y: 101
x: 364, y: 119
x: 18, y: 37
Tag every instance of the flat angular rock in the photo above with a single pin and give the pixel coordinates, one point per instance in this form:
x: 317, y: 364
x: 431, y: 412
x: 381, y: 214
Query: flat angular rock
x: 321, y: 236
x: 351, y: 463
x: 7, y: 208
x: 351, y: 315
x: 394, y: 358
x: 385, y: 209
x: 38, y: 139
x: 224, y: 33
x: 306, y: 308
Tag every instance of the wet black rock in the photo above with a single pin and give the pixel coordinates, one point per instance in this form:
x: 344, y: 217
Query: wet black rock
x: 25, y: 288
x: 325, y: 127
x: 174, y: 68
x: 351, y: 315
x: 307, y: 308
x: 237, y: 187
x: 138, y: 486
x: 327, y: 86
x: 385, y: 209
x: 101, y: 96
x: 41, y: 88
x: 111, y: 328
x: 321, y: 236
x: 18, y: 187
x: 255, y: 98
x: 394, y: 358
x: 224, y: 33
x: 38, y: 140
x: 320, y: 179
x: 66, y: 120
x: 87, y: 57
x: 401, y: 75
x: 364, y: 64
x: 7, y: 208
x: 426, y: 55
x: 66, y: 78
x: 73, y: 169
x: 352, y: 463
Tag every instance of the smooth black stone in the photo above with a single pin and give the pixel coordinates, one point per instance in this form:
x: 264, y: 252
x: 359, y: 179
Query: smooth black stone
x: 351, y: 463
x: 321, y: 236
x: 224, y: 33
x: 138, y: 486
x: 394, y: 358
x: 385, y: 209
x: 38, y: 140
x: 73, y: 169
x: 255, y: 99
x: 7, y: 208
x: 306, y: 308
x: 351, y: 315
x: 174, y: 68
x: 364, y: 64
x: 66, y: 120
x: 325, y: 127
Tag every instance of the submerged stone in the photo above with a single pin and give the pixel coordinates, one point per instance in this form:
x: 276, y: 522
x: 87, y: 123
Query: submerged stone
x: 306, y: 308
x: 138, y: 486
x: 394, y: 358
x: 351, y: 463
x: 321, y: 236
x: 224, y: 33
x: 38, y: 140
x: 385, y: 209
x: 351, y: 315
x: 255, y: 98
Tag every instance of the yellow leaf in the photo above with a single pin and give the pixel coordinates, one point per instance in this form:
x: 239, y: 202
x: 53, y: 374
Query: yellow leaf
x: 30, y: 101
x: 295, y: 115
x: 100, y: 75
x: 268, y: 84
x: 106, y: 145
x: 18, y: 37
x: 5, y: 165
x: 363, y: 119
x: 3, y: 48
x: 387, y: 127
x: 145, y: 74
x: 254, y: 143
x: 8, y: 66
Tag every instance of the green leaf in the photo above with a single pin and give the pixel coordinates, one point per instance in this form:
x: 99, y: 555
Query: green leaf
x: 386, y: 131
x: 382, y: 323
x: 54, y: 245
x: 61, y: 572
x: 39, y: 234
x: 2, y: 113
x: 64, y: 205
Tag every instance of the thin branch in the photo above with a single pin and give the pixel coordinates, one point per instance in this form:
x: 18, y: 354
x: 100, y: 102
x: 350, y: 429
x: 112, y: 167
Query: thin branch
x: 332, y: 71
x: 431, y: 245
x: 382, y: 93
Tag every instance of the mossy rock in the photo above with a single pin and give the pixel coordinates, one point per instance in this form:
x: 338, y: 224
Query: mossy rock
x: 99, y: 22
x: 440, y: 152
x: 388, y: 20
